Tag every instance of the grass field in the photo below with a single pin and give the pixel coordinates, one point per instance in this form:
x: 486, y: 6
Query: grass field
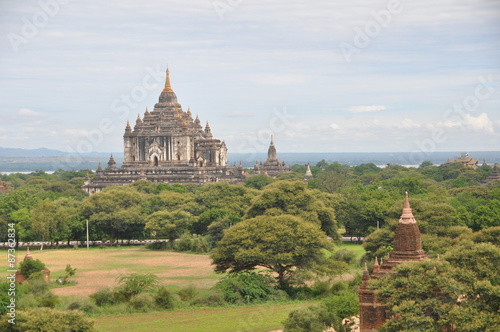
x: 99, y: 268
x: 248, y: 318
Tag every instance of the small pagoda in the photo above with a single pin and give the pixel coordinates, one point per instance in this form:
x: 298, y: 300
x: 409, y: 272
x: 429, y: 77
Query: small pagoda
x: 407, y: 247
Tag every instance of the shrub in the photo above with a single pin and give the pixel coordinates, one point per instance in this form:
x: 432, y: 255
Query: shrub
x: 31, y: 266
x: 214, y: 299
x: 187, y: 293
x: 48, y: 320
x: 311, y: 319
x: 320, y: 288
x: 103, y: 297
x: 192, y: 243
x: 134, y: 284
x: 142, y: 301
x: 164, y: 298
x: 160, y: 245
x: 245, y: 287
x: 344, y: 255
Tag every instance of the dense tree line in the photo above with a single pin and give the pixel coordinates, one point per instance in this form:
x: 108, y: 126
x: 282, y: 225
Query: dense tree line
x: 359, y: 199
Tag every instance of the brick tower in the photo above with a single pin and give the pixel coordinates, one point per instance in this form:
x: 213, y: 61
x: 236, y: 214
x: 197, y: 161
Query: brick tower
x: 407, y: 247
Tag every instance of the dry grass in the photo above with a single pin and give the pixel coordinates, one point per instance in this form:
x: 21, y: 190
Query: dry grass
x: 99, y: 268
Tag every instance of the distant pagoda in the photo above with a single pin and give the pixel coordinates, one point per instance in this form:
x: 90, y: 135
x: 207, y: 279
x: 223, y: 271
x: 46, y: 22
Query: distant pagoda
x: 272, y: 166
x: 494, y: 176
x: 168, y: 146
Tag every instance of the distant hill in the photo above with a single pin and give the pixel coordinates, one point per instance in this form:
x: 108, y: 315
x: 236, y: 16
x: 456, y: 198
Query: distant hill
x: 18, y: 153
x: 47, y: 153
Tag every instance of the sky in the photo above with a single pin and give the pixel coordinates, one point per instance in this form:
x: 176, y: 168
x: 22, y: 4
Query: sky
x: 319, y: 75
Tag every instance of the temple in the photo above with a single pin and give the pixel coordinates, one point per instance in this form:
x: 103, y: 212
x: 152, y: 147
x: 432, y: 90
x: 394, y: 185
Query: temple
x: 167, y: 145
x: 493, y: 178
x: 466, y: 160
x: 407, y: 247
x: 272, y: 166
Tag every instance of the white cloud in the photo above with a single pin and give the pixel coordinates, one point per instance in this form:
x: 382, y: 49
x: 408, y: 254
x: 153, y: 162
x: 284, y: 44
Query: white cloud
x: 26, y: 112
x: 408, y: 124
x: 363, y: 109
x: 480, y: 123
x: 334, y: 126
x: 238, y: 114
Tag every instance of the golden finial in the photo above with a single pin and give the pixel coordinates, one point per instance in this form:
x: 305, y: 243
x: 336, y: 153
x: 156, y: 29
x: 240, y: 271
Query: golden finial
x: 147, y: 111
x: 138, y: 117
x: 168, y: 87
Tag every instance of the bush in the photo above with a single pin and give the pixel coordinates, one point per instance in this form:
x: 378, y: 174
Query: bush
x: 134, y: 284
x: 192, y: 243
x: 143, y: 302
x: 187, y: 293
x: 160, y: 245
x: 320, y: 288
x: 311, y: 319
x: 103, y: 297
x: 164, y: 298
x: 214, y: 299
x: 31, y: 266
x: 48, y: 320
x: 245, y: 287
x: 344, y: 255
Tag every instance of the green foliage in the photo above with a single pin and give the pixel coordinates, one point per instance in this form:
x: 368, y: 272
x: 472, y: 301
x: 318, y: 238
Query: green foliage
x: 429, y: 295
x: 245, y: 287
x: 28, y: 267
x: 188, y: 293
x: 311, y: 319
x: 164, y: 299
x: 284, y: 244
x: 293, y: 198
x: 345, y: 255
x: 115, y: 212
x: 491, y: 235
x: 70, y: 272
x: 169, y: 224
x: 330, y: 313
x: 258, y: 181
x: 135, y: 283
x: 49, y: 320
x: 103, y: 297
x: 143, y: 302
x: 192, y: 243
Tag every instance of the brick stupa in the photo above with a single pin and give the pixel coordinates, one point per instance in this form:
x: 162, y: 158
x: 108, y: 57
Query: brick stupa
x: 407, y: 247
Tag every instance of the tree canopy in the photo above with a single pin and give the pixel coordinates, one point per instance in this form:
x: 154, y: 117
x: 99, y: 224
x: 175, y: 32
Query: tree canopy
x: 283, y: 244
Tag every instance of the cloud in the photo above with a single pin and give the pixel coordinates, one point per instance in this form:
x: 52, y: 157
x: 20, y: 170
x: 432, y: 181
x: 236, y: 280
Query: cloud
x: 238, y: 114
x: 364, y: 109
x: 334, y: 126
x: 480, y: 123
x: 26, y: 112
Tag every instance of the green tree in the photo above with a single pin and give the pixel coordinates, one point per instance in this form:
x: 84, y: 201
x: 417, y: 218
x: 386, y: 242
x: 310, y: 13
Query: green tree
x: 135, y: 283
x: 258, y: 181
x: 293, y: 197
x: 30, y: 267
x: 115, y: 212
x: 283, y: 244
x: 430, y: 295
x: 169, y: 224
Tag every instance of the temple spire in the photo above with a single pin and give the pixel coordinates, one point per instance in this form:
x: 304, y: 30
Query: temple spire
x: 168, y: 86
x: 407, y: 214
